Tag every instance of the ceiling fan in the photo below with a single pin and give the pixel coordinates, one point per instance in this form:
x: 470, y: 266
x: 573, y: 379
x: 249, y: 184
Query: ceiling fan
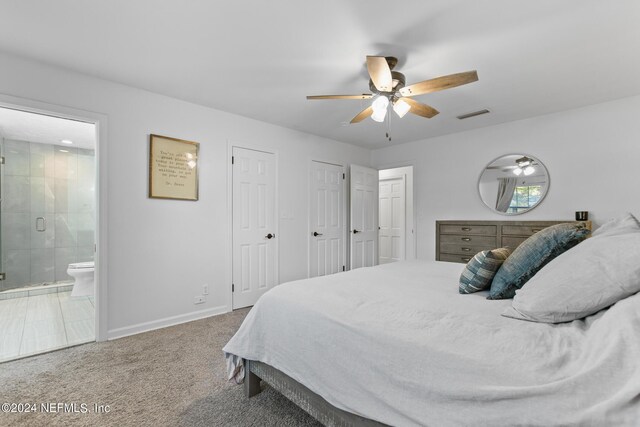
x: 389, y: 86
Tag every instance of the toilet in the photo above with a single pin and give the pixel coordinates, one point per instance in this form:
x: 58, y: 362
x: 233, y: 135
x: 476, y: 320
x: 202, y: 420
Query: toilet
x: 82, y: 273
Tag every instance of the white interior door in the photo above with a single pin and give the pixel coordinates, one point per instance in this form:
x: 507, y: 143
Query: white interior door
x: 254, y: 227
x: 405, y: 172
x: 392, y: 218
x: 326, y: 219
x: 364, y: 217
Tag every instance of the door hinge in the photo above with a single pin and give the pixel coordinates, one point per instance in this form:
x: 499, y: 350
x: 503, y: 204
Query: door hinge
x: 233, y: 287
x: 343, y: 175
x: 232, y: 160
x: 343, y: 268
x: 2, y: 160
x: 3, y: 276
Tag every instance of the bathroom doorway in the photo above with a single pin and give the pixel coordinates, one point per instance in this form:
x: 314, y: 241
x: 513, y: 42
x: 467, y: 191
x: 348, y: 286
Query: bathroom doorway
x: 47, y: 232
x: 396, y: 215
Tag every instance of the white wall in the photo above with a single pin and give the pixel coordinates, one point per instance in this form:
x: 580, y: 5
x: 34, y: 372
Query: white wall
x: 161, y: 252
x: 592, y: 155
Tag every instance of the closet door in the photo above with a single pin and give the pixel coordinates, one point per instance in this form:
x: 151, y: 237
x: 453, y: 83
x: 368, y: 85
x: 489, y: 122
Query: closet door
x: 364, y: 217
x: 326, y: 219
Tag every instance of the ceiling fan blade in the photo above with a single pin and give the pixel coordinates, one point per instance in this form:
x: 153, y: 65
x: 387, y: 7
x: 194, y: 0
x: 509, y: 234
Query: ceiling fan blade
x: 420, y: 109
x: 439, y: 83
x: 508, y: 167
x: 362, y: 115
x: 380, y: 73
x: 363, y: 96
x: 501, y: 167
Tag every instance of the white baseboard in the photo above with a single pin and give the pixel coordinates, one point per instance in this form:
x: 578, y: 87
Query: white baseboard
x: 163, y: 323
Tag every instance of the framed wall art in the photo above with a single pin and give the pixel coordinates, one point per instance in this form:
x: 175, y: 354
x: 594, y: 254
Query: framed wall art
x: 173, y: 168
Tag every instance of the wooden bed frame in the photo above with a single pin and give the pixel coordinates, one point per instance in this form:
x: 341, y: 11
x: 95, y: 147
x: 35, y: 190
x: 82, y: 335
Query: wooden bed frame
x: 299, y: 394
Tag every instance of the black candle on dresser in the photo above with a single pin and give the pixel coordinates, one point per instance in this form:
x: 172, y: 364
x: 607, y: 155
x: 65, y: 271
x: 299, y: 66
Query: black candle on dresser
x: 582, y: 215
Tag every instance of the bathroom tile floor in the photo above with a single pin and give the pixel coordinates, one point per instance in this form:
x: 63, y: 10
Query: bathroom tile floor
x: 36, y: 324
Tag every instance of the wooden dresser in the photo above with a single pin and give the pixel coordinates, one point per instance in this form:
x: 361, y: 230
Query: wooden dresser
x: 459, y: 241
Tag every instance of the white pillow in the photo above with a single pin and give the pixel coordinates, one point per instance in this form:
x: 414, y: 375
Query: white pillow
x: 627, y: 223
x: 593, y: 275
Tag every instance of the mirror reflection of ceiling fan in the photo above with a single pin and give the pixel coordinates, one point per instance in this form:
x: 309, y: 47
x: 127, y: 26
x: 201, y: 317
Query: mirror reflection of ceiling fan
x: 389, y: 89
x: 524, y: 165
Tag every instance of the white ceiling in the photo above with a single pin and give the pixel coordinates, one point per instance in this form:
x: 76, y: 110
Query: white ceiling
x: 260, y: 58
x: 25, y: 126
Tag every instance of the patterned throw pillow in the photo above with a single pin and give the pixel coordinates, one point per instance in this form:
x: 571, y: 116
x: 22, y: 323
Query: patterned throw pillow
x: 533, y: 254
x: 480, y: 270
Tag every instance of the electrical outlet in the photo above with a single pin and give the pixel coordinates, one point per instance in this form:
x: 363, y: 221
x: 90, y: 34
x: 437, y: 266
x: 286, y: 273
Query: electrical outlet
x: 205, y: 289
x: 198, y: 300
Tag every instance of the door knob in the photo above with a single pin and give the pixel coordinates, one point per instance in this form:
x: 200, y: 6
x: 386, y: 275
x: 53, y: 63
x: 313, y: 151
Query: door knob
x: 356, y: 231
x: 270, y: 236
x: 316, y: 234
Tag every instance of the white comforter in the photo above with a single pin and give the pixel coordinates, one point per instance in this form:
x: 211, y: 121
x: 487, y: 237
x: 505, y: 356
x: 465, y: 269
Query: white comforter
x: 398, y: 344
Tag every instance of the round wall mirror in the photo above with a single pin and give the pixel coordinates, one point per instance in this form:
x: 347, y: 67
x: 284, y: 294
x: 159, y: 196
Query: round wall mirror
x: 513, y: 184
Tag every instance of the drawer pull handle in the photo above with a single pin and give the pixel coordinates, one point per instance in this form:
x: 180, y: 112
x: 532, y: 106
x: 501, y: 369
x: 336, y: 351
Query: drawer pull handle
x: 466, y: 228
x: 466, y: 249
x: 535, y: 230
x: 465, y: 259
x: 466, y: 239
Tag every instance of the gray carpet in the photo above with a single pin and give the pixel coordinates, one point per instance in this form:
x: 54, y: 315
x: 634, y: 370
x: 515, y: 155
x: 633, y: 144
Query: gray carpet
x: 169, y: 377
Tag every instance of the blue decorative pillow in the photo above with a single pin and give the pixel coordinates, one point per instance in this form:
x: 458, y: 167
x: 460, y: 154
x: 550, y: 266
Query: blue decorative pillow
x: 533, y: 254
x: 479, y: 272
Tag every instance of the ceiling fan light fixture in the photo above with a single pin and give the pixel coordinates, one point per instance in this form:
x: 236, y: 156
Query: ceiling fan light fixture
x: 379, y: 115
x: 401, y: 108
x: 380, y: 104
x: 524, y: 161
x: 524, y: 164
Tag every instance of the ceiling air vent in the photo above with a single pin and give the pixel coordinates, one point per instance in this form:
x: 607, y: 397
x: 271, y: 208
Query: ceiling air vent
x: 475, y: 113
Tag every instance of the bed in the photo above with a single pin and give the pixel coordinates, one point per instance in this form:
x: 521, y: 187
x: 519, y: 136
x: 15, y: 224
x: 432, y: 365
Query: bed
x: 397, y: 345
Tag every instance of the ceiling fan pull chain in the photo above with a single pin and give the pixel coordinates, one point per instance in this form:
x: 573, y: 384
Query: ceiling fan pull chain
x: 389, y: 125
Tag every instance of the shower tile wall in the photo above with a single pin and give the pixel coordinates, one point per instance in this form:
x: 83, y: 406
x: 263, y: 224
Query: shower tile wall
x: 55, y: 183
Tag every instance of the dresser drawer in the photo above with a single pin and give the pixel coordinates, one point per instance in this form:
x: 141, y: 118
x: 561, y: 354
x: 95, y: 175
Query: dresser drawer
x: 512, y: 242
x: 521, y: 230
x: 462, y: 249
x: 456, y: 258
x: 485, y: 230
x: 489, y: 241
